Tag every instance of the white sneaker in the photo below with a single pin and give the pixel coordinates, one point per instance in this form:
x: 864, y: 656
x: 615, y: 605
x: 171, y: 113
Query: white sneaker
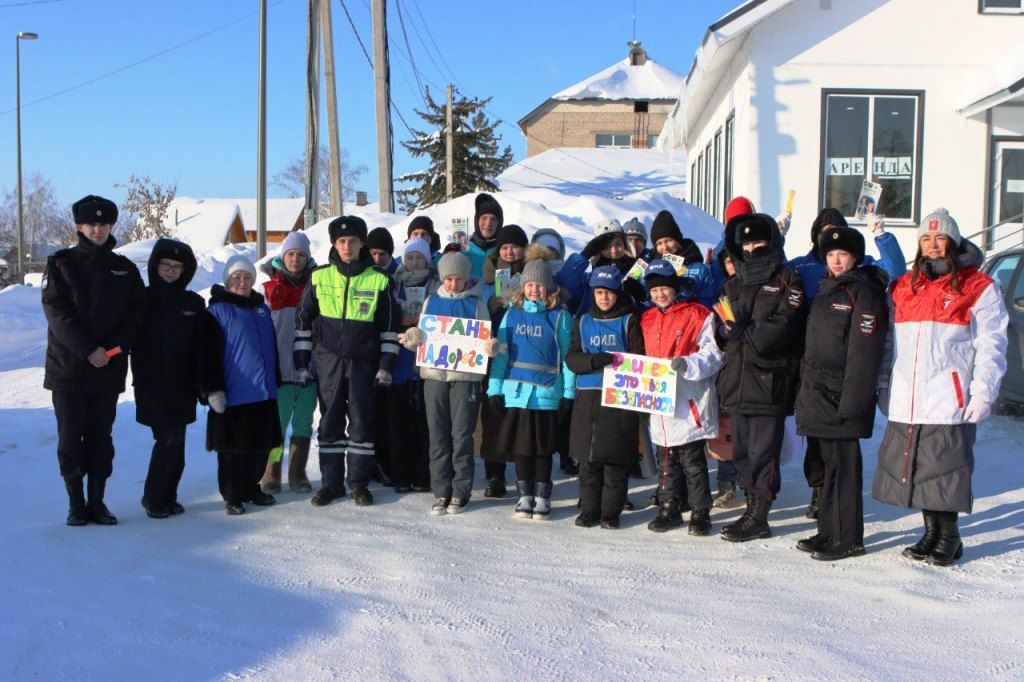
x: 458, y: 505
x: 440, y: 507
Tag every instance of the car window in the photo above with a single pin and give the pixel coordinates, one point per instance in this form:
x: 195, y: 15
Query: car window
x: 1018, y: 291
x: 1002, y: 272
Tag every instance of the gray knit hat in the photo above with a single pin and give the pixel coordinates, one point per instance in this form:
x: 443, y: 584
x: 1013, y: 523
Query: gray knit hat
x: 234, y: 264
x: 939, y: 222
x: 538, y: 271
x: 454, y: 264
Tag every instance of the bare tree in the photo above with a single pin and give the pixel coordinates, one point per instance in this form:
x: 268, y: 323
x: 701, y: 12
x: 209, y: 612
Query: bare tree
x: 293, y: 179
x: 144, y: 209
x: 48, y: 223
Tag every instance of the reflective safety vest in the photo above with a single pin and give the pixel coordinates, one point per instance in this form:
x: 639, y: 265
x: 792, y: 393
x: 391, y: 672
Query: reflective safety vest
x: 600, y: 336
x: 349, y: 298
x: 464, y: 307
x: 533, y: 352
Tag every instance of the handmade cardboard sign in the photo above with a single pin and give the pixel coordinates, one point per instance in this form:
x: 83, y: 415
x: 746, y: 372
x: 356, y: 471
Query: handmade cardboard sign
x: 453, y: 343
x: 640, y: 383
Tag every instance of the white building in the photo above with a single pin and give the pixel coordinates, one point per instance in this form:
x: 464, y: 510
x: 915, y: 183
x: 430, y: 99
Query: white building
x: 925, y: 97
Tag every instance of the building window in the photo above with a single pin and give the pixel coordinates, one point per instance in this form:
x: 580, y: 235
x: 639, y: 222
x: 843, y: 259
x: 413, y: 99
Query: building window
x: 717, y: 157
x: 652, y: 141
x: 727, y: 174
x: 708, y: 178
x: 615, y: 140
x: 872, y: 136
x: 692, y: 180
x: 1000, y: 7
x: 640, y: 107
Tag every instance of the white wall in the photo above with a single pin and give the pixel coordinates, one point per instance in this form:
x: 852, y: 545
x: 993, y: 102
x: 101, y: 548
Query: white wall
x: 939, y: 47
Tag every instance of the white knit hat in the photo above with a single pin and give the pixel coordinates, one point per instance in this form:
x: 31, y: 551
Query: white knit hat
x: 295, y: 241
x: 236, y: 263
x: 607, y: 226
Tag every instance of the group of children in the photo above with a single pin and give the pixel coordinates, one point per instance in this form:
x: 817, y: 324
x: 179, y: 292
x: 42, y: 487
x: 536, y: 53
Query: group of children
x: 746, y: 332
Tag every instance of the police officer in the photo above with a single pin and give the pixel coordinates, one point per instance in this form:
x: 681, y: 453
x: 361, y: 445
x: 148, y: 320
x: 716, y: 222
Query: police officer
x: 95, y: 305
x: 350, y: 311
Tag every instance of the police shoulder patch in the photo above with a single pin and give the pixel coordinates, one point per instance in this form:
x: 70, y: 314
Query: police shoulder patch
x: 868, y: 323
x: 795, y: 298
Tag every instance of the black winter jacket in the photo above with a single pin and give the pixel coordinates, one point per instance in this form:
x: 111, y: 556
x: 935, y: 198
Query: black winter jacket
x: 762, y: 354
x: 92, y: 297
x: 166, y: 361
x: 604, y: 435
x: 845, y: 342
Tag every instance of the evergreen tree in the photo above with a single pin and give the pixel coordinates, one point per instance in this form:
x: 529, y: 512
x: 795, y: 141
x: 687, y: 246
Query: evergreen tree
x: 475, y: 153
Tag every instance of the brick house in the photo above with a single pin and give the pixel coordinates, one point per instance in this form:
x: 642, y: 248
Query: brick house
x: 625, y: 105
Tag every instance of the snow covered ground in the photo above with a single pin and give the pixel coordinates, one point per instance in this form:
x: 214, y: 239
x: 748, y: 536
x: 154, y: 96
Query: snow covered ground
x: 389, y: 592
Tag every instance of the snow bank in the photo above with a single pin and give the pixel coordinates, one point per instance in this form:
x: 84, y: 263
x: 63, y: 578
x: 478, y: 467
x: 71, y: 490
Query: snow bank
x: 22, y: 327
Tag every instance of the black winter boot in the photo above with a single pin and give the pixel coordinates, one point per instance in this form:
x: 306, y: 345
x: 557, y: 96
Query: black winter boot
x: 78, y: 515
x: 669, y: 517
x: 754, y: 526
x: 495, y: 487
x: 700, y: 522
x: 362, y: 497
x: 814, y: 543
x: 835, y: 551
x: 98, y: 512
x: 568, y: 465
x: 261, y: 498
x: 735, y: 525
x: 923, y: 547
x: 949, y: 548
x: 815, y: 504
x: 155, y: 511
x: 653, y: 500
x: 326, y: 495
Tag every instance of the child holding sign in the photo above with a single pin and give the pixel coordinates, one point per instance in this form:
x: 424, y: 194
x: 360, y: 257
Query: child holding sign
x: 405, y: 414
x: 683, y: 330
x: 603, y: 439
x: 452, y: 397
x: 530, y: 386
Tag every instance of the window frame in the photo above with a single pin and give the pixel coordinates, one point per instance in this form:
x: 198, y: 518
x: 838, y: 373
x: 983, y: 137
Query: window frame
x: 729, y: 165
x: 613, y: 145
x: 717, y: 156
x: 915, y: 215
x: 1005, y: 11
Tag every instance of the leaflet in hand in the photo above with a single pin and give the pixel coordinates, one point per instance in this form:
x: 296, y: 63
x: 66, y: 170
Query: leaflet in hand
x: 637, y: 271
x: 867, y: 203
x: 675, y: 261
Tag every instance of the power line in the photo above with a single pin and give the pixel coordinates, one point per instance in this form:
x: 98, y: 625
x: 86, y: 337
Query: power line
x: 440, y: 54
x: 412, y: 62
x: 138, y: 62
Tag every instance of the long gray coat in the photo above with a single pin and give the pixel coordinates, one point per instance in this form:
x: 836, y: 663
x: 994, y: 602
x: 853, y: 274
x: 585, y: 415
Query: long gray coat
x: 926, y: 466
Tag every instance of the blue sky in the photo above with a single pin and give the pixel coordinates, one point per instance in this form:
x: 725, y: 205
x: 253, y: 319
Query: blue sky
x: 189, y: 116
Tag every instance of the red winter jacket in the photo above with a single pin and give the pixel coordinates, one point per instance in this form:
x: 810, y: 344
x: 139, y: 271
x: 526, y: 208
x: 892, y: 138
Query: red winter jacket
x: 283, y: 297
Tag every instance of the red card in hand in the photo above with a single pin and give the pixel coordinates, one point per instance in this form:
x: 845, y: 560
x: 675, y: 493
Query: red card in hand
x: 116, y: 350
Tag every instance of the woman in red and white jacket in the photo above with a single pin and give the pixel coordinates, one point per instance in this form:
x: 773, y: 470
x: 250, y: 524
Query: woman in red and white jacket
x: 948, y: 358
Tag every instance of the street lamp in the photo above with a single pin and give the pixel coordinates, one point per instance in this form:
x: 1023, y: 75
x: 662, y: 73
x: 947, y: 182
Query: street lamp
x: 24, y: 35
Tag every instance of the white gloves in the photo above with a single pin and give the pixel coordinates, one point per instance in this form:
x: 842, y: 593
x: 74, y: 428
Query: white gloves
x: 383, y: 378
x: 218, y: 401
x: 784, y: 220
x: 413, y: 338
x: 978, y: 410
x: 876, y: 224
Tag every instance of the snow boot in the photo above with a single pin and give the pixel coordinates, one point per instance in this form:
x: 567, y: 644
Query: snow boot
x: 568, y: 465
x: 495, y: 487
x: 298, y: 455
x: 726, y: 497
x: 234, y: 508
x: 751, y: 526
x: 735, y: 525
x: 814, y: 543
x: 610, y: 524
x: 261, y: 499
x: 835, y: 551
x: 362, y: 497
x: 77, y: 513
x: 155, y: 511
x: 923, y: 547
x: 380, y: 473
x: 326, y: 495
x: 440, y: 507
x: 585, y: 521
x: 653, y: 500
x: 457, y: 505
x: 271, y: 481
x: 669, y: 516
x: 98, y: 512
x: 700, y: 522
x: 175, y: 508
x: 542, y: 502
x: 815, y: 504
x: 949, y: 548
x: 524, y: 508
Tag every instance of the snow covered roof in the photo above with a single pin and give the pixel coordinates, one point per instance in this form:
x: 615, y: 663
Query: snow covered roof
x: 1001, y: 81
x: 720, y: 45
x: 596, y: 170
x: 203, y: 224
x: 281, y: 213
x: 622, y: 80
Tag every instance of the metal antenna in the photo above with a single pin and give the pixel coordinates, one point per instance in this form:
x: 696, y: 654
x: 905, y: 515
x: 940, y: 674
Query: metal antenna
x: 634, y: 21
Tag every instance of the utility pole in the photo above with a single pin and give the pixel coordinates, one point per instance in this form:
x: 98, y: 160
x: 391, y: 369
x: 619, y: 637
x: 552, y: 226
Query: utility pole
x: 382, y: 96
x: 24, y: 35
x: 449, y: 148
x: 334, y: 145
x: 309, y: 215
x: 261, y: 141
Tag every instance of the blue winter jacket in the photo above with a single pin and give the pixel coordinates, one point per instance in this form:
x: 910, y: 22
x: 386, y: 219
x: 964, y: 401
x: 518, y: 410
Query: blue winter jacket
x: 250, y: 351
x: 529, y: 396
x: 891, y: 260
x: 476, y: 257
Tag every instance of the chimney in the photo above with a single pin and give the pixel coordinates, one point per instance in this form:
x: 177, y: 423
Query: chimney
x: 361, y: 199
x: 637, y: 54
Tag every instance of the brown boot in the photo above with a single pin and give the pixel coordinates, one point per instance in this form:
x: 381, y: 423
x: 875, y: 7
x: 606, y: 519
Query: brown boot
x: 271, y: 481
x: 298, y: 454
